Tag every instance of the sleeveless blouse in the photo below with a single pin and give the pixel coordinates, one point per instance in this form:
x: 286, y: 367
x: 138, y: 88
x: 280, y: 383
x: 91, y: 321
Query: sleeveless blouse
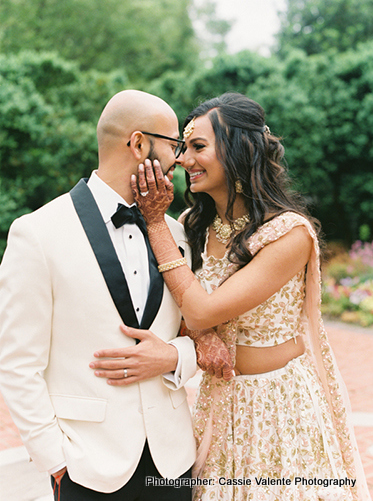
x: 273, y: 322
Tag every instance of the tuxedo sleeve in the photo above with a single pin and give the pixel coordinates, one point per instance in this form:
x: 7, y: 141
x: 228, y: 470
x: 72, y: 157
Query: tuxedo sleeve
x: 26, y: 312
x: 187, y: 365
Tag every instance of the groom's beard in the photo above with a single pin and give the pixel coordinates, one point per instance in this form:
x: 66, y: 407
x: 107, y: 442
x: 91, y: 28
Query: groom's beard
x: 152, y: 155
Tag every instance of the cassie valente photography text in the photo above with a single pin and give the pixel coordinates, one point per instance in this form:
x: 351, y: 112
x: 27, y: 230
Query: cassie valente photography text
x: 252, y: 481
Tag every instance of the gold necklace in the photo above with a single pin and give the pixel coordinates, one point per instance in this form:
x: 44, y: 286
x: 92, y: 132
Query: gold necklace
x: 224, y: 231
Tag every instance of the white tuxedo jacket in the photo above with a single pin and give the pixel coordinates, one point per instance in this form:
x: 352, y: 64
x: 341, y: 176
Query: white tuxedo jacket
x: 56, y: 309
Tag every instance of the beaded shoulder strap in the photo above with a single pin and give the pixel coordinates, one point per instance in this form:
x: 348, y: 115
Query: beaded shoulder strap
x: 276, y: 228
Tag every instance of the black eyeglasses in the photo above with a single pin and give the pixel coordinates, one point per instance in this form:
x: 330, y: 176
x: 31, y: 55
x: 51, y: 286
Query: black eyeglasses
x: 180, y: 148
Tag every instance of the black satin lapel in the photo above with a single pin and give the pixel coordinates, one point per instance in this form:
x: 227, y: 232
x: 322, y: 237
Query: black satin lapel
x: 99, y: 238
x: 155, y: 294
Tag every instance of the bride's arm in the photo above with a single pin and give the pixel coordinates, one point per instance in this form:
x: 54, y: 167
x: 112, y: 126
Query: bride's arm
x: 270, y: 269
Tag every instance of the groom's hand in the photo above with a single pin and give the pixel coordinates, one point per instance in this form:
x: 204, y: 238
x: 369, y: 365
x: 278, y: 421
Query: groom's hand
x: 151, y: 357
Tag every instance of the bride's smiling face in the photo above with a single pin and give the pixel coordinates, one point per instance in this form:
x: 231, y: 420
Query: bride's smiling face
x: 205, y: 170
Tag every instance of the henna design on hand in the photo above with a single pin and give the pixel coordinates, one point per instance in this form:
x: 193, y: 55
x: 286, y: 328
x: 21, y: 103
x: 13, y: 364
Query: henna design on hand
x: 212, y: 353
x: 179, y: 279
x: 153, y: 207
x: 178, y: 282
x: 156, y: 194
x: 213, y: 356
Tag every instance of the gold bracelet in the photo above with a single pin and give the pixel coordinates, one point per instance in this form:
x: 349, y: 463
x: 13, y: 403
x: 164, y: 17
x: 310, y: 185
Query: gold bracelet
x: 171, y: 265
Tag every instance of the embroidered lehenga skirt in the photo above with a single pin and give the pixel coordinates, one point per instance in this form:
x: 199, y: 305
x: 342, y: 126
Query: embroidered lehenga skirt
x: 272, y: 438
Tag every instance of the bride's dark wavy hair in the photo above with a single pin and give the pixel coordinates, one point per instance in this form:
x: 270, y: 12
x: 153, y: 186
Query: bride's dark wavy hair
x: 249, y: 153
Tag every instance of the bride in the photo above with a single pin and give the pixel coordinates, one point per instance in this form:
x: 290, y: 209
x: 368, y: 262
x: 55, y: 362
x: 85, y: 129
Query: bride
x: 279, y: 428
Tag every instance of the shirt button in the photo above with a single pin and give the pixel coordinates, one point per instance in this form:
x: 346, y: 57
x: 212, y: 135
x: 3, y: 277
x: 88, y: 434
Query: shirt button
x: 130, y: 237
x: 137, y: 309
x: 135, y: 272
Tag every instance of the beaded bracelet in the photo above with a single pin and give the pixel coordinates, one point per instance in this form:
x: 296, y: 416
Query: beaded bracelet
x: 171, y: 265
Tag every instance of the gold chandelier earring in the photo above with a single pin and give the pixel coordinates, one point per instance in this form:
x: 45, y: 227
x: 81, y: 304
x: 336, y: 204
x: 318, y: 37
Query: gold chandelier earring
x: 238, y: 187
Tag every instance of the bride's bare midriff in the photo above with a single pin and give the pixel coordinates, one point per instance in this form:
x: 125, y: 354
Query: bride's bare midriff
x: 254, y: 360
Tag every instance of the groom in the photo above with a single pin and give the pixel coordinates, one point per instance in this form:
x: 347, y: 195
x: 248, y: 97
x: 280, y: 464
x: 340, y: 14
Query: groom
x: 73, y: 272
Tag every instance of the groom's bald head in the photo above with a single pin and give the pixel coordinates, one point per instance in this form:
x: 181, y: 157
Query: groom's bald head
x: 128, y: 111
x: 122, y: 144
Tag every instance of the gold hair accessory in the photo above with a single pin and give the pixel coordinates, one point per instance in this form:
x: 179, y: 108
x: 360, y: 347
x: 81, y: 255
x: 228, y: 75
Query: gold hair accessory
x: 188, y: 131
x: 238, y: 186
x: 224, y: 231
x: 171, y: 265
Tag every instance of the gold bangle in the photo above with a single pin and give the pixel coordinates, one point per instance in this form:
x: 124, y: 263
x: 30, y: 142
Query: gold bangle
x: 171, y: 265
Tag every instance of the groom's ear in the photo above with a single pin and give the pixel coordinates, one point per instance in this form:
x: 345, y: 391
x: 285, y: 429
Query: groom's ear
x: 136, y: 145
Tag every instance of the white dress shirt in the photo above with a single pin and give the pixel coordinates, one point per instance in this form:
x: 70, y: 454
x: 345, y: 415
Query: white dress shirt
x: 128, y: 241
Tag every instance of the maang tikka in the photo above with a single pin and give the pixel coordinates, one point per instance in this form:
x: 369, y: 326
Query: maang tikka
x: 188, y: 131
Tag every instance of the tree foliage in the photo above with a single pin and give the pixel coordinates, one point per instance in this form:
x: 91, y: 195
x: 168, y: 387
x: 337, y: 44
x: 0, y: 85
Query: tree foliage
x: 317, y: 26
x: 146, y: 37
x: 322, y: 105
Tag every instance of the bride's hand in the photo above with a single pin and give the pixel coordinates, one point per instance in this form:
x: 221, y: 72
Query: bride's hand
x: 213, y: 355
x: 153, y: 194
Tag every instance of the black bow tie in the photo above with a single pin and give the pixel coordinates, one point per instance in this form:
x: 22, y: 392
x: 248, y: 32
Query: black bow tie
x: 128, y: 215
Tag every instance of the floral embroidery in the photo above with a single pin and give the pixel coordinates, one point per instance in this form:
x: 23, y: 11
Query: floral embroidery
x: 266, y: 426
x: 277, y: 319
